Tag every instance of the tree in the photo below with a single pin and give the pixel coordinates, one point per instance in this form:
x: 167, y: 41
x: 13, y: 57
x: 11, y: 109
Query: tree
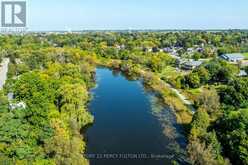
x: 209, y: 52
x: 232, y: 132
x: 203, y: 75
x: 72, y: 104
x: 204, y: 148
x: 63, y: 148
x: 202, y: 154
x: 196, y: 56
x: 246, y: 69
x: 235, y: 93
x: 210, y: 101
x: 199, y: 124
x: 193, y: 80
x: 3, y: 102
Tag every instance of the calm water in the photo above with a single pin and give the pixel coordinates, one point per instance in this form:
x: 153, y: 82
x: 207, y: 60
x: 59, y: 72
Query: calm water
x: 129, y: 120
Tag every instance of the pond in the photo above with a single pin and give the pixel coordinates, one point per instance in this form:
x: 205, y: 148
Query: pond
x: 132, y: 126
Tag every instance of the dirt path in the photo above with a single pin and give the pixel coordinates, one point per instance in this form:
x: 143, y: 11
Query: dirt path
x: 3, y: 71
x: 182, y: 97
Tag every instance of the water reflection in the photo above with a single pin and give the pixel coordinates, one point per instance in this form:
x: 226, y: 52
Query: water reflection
x: 131, y: 125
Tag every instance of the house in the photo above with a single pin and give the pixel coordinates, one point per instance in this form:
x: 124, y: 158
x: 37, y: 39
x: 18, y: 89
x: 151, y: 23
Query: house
x: 190, y: 50
x: 168, y: 50
x: 190, y: 65
x: 235, y: 57
x: 14, y: 106
x: 147, y: 49
x: 242, y: 73
x: 120, y: 47
x: 200, y: 50
x: 180, y: 62
x: 171, y: 51
x: 155, y: 49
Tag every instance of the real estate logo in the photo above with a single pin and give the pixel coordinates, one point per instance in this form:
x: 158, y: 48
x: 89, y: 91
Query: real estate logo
x: 13, y: 14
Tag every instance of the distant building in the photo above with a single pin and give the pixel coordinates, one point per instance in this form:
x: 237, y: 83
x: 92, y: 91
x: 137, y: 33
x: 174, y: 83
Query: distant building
x: 171, y: 51
x: 120, y: 47
x: 242, y: 73
x: 14, y: 106
x: 200, y: 50
x: 168, y: 50
x: 10, y: 96
x: 235, y: 57
x: 147, y: 49
x: 155, y: 49
x: 190, y: 50
x: 190, y: 65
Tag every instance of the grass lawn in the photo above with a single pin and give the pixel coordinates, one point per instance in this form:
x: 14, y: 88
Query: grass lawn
x: 192, y: 94
x: 169, y: 72
x: 246, y: 55
x: 195, y: 91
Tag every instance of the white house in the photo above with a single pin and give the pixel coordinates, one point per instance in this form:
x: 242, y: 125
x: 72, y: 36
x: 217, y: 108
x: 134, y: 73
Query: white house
x: 242, y: 73
x: 14, y: 106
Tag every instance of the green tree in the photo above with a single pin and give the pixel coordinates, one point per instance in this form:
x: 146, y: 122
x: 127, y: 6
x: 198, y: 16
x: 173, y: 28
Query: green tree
x: 203, y: 75
x: 236, y: 93
x: 196, y: 56
x: 193, y: 80
x: 246, y: 69
x: 210, y: 101
x: 232, y: 132
x: 3, y: 102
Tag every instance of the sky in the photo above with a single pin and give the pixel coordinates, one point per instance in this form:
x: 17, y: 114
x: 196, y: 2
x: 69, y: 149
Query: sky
x: 48, y: 15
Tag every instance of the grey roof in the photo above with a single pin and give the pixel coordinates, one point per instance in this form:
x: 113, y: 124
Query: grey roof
x: 233, y: 56
x: 193, y: 63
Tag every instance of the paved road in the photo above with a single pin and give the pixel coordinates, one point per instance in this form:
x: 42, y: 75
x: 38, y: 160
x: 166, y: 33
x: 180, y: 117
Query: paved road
x: 3, y: 72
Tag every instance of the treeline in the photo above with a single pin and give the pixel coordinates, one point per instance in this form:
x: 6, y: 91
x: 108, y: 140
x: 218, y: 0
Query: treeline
x: 53, y: 83
x: 119, y: 45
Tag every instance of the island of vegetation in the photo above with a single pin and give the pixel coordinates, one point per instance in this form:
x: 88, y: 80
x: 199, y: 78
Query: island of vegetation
x: 201, y: 75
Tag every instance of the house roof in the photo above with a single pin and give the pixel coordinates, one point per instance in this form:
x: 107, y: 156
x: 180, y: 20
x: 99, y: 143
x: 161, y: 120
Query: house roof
x: 242, y: 73
x: 233, y: 56
x: 193, y: 63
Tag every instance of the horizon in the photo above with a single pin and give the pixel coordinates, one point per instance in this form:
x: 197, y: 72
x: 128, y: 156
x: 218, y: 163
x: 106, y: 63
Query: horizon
x: 135, y: 30
x: 148, y: 15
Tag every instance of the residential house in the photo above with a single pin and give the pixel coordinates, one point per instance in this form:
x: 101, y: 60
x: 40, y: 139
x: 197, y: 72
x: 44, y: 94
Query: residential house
x: 242, y: 73
x: 14, y: 106
x: 190, y: 65
x: 234, y: 57
x: 190, y: 50
x: 155, y: 49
